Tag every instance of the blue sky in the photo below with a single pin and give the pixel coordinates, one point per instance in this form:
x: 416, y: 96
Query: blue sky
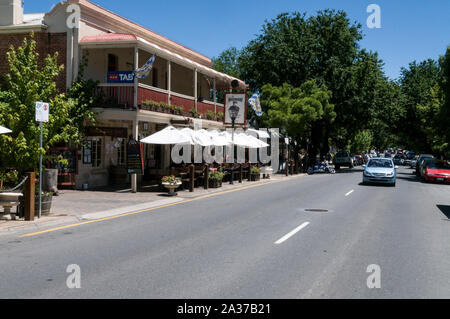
x: 411, y: 30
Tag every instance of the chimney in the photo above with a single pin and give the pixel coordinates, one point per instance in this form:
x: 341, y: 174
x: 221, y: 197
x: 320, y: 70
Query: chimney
x: 11, y: 12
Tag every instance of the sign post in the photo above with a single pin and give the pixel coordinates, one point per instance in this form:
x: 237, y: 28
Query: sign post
x: 42, y: 110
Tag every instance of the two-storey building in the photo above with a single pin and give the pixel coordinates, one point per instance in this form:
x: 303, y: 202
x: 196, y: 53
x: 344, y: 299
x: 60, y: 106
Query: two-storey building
x: 182, y: 81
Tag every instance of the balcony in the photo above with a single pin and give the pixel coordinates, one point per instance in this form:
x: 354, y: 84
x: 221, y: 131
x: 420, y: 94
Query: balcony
x: 156, y: 100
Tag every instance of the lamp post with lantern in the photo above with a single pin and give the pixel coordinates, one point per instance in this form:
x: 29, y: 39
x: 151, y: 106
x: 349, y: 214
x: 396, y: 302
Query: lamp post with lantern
x: 233, y: 111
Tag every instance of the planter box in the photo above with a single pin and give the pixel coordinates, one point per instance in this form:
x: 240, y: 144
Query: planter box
x: 214, y: 183
x: 255, y: 177
x: 172, y: 188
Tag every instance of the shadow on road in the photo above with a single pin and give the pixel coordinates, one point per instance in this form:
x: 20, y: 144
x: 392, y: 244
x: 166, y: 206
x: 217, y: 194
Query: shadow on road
x: 410, y: 178
x: 349, y: 170
x: 445, y: 209
x: 375, y: 184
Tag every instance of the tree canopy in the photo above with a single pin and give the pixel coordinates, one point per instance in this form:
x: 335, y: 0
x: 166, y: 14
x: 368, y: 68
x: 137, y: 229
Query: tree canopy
x: 292, y: 49
x: 27, y: 82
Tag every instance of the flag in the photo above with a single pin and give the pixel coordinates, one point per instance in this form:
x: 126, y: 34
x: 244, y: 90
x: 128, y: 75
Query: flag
x: 143, y: 72
x: 256, y: 104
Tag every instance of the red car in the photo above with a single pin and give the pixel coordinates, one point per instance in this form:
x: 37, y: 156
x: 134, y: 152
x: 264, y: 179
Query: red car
x: 436, y: 171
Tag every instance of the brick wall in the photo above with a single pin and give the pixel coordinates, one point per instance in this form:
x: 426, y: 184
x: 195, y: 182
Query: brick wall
x: 47, y: 43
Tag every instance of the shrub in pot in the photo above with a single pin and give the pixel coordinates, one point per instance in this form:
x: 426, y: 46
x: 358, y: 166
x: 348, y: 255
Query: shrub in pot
x: 255, y: 174
x: 215, y: 179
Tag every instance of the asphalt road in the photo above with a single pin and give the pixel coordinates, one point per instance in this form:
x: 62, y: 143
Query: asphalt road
x: 260, y: 242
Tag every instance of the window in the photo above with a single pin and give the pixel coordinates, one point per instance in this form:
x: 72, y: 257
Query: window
x: 121, y: 153
x: 113, y: 63
x: 87, y: 152
x: 96, y: 153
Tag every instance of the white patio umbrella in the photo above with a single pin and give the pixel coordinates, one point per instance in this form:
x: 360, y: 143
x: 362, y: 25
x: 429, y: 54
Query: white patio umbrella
x: 243, y: 140
x: 219, y: 138
x: 169, y: 135
x: 4, y: 130
x: 258, y: 142
x: 197, y: 137
x: 260, y: 133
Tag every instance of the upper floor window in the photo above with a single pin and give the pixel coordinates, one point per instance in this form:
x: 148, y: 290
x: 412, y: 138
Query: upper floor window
x: 113, y: 63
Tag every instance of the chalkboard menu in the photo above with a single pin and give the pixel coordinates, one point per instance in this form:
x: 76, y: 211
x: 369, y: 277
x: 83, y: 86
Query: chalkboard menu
x: 69, y: 154
x: 135, y: 163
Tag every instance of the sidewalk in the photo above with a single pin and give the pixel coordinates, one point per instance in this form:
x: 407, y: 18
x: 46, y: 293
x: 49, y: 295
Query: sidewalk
x: 75, y: 206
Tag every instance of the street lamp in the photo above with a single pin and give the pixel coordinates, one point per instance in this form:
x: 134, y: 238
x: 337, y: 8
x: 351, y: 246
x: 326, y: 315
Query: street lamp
x: 233, y: 112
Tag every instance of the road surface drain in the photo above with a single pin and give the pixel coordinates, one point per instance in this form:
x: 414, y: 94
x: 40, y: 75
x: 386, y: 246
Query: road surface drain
x: 316, y: 210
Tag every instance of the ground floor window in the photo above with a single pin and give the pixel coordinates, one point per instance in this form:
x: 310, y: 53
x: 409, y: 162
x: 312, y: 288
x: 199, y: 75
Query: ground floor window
x: 96, y: 153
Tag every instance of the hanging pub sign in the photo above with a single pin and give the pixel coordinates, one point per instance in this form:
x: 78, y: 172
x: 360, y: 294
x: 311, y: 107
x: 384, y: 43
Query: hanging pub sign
x: 235, y: 106
x: 120, y: 77
x: 135, y: 159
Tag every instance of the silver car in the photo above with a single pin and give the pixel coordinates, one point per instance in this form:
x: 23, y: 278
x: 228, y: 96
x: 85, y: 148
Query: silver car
x: 380, y: 170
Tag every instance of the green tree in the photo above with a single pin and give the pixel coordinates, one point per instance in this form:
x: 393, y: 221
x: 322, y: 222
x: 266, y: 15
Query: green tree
x: 228, y: 62
x: 29, y: 81
x: 361, y: 142
x: 444, y: 113
x: 430, y: 120
x: 297, y: 111
x: 416, y: 83
x: 294, y: 49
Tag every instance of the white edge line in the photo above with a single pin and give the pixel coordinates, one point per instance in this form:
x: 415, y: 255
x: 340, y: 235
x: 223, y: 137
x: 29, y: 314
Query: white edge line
x: 350, y: 192
x: 292, y: 233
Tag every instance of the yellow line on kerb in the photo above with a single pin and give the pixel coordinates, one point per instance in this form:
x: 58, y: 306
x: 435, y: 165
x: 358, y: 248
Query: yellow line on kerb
x: 148, y: 209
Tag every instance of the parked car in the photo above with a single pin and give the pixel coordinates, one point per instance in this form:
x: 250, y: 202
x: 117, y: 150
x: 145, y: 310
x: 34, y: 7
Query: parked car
x: 399, y: 159
x: 343, y: 158
x: 414, y: 162
x: 436, y: 171
x: 419, y: 162
x: 366, y: 158
x: 409, y: 157
x: 358, y: 160
x: 380, y: 170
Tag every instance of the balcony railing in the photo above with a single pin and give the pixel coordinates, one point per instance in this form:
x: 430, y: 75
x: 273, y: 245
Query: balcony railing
x: 122, y: 95
x: 114, y: 95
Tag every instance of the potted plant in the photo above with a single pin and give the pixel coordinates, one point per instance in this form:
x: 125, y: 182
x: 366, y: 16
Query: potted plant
x: 171, y: 183
x: 255, y: 174
x: 178, y: 110
x: 210, y: 115
x: 215, y: 179
x: 194, y: 113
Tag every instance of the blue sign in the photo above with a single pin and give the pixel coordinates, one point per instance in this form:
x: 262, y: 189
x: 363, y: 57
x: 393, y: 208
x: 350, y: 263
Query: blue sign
x: 120, y: 77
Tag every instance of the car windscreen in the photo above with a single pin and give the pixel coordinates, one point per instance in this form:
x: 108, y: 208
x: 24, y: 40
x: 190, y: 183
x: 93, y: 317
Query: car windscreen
x: 379, y: 163
x: 342, y: 154
x: 438, y: 165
